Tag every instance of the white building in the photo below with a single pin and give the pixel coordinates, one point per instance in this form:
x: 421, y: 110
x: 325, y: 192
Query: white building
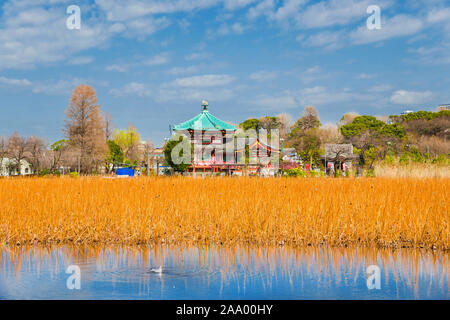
x: 8, y: 167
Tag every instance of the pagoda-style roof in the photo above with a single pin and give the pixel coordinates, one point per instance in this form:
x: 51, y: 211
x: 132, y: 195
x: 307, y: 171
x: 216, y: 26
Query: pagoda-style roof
x: 205, y: 121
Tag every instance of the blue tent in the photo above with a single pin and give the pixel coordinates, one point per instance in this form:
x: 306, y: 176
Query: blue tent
x: 125, y: 172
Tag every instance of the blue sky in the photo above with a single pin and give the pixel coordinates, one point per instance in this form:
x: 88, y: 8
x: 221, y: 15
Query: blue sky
x: 152, y: 62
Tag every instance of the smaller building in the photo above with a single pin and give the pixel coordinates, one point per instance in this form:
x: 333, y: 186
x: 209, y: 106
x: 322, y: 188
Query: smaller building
x: 338, y: 157
x: 10, y: 167
x: 290, y: 159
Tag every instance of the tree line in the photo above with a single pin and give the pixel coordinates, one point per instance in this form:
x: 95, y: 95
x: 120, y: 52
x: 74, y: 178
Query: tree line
x: 418, y: 136
x: 91, y: 145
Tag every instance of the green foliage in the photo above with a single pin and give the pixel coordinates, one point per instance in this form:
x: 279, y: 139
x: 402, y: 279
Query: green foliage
x: 347, y: 172
x: 370, y: 173
x: 426, y: 115
x: 44, y: 172
x: 361, y: 124
x: 404, y: 159
x: 185, y: 145
x: 441, y: 159
x: 389, y: 159
x: 374, y: 126
x: 115, y: 153
x: 308, y: 146
x: 415, y: 156
x: 58, y: 145
x: 393, y: 130
x: 370, y: 154
x: 296, y: 172
x: 127, y: 140
x: 73, y: 174
x: 250, y: 124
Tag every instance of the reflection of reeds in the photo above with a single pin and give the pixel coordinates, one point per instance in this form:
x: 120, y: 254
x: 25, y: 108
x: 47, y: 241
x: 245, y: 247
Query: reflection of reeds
x: 243, y: 266
x: 337, y: 212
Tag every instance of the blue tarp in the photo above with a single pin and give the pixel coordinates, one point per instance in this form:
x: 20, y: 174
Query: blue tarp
x: 125, y: 172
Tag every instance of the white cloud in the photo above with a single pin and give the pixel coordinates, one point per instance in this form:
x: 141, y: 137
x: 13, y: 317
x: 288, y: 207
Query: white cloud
x: 177, y: 94
x: 182, y: 70
x: 197, y: 56
x: 311, y: 74
x: 133, y: 88
x: 436, y: 54
x: 365, y: 76
x: 81, y: 60
x: 61, y: 87
x: 209, y: 80
x: 398, y: 26
x: 317, y: 96
x: 439, y: 15
x: 236, y: 4
x: 15, y: 82
x: 264, y: 7
x: 334, y: 12
x: 143, y: 27
x: 278, y: 103
x: 289, y: 9
x: 157, y: 60
x: 118, y: 10
x: 330, y: 40
x: 380, y: 88
x: 263, y: 75
x: 225, y: 29
x: 31, y: 36
x: 116, y: 67
x: 410, y: 97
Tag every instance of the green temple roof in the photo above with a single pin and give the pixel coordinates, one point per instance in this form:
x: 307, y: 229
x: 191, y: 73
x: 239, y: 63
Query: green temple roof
x: 205, y: 121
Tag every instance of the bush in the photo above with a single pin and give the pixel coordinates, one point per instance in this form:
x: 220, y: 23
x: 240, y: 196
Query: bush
x: 440, y: 159
x: 73, y: 174
x: 370, y: 173
x: 389, y: 159
x: 404, y: 159
x: 418, y: 158
x: 44, y: 172
x: 296, y: 172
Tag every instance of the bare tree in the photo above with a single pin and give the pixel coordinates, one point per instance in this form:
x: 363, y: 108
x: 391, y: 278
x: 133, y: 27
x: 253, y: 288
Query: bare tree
x: 330, y: 133
x: 309, y: 120
x: 3, y: 152
x: 17, y: 150
x: 35, y: 149
x: 109, y: 127
x: 348, y: 118
x: 85, y: 128
x: 285, y: 121
x: 57, y: 151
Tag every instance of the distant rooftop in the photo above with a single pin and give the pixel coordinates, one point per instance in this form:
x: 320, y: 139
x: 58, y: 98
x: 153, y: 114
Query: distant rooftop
x: 205, y: 121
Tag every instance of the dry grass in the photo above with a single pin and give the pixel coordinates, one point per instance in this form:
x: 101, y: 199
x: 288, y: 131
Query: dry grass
x: 415, y: 170
x: 379, y: 212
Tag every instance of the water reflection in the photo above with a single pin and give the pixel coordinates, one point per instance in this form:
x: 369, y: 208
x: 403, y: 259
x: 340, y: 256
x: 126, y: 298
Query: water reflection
x: 221, y: 273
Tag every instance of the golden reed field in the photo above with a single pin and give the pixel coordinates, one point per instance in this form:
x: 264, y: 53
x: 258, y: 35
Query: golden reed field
x: 378, y: 212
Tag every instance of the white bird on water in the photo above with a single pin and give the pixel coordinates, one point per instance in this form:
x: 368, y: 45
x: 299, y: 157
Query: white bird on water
x: 159, y: 270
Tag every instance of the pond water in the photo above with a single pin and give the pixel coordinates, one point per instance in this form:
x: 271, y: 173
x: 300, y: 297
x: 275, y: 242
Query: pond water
x: 221, y: 273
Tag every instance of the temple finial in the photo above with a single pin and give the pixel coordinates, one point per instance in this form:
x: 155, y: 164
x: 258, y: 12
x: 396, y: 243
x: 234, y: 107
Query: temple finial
x: 205, y: 105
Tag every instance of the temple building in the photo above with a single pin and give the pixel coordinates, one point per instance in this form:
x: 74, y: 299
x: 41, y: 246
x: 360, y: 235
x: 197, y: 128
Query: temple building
x: 210, y: 135
x: 218, y: 149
